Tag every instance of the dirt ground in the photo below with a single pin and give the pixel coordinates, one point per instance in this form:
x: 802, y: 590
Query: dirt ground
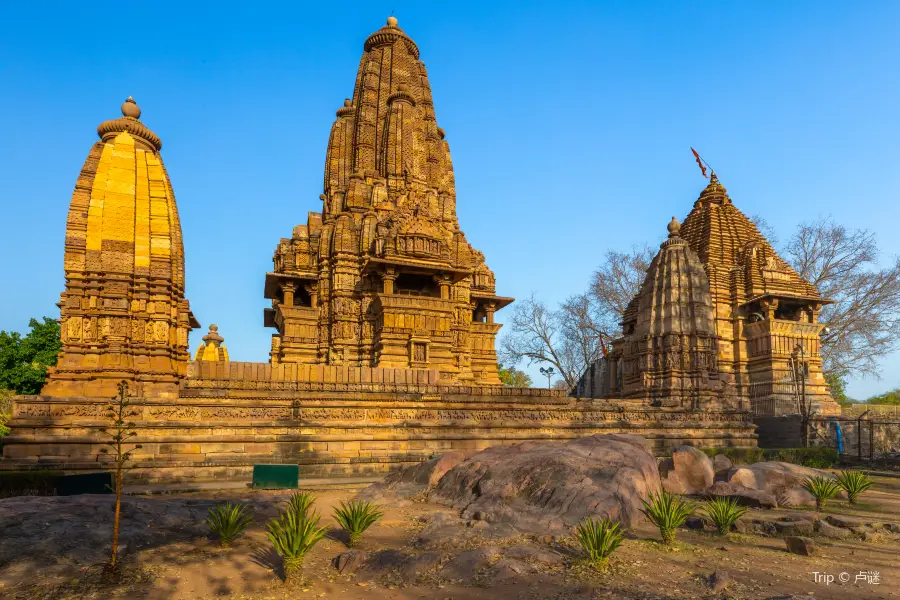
x: 758, y: 567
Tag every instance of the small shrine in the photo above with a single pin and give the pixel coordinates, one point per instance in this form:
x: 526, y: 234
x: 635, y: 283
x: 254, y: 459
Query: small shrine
x: 212, y: 347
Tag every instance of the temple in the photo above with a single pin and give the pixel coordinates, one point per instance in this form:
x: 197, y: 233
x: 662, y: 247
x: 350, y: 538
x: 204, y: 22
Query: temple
x: 213, y: 346
x: 123, y: 314
x: 384, y: 276
x: 383, y: 354
x: 720, y: 319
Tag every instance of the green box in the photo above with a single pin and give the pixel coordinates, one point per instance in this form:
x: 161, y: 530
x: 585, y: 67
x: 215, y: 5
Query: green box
x: 85, y: 483
x: 276, y: 477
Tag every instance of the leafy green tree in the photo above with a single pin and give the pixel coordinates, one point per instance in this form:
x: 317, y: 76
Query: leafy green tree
x: 892, y: 398
x: 24, y: 360
x: 838, y: 387
x: 512, y: 377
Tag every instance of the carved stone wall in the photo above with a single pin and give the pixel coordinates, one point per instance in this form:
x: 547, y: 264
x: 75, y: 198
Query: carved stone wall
x: 221, y: 425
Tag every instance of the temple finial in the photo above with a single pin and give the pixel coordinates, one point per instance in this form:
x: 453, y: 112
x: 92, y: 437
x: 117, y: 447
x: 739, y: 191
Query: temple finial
x: 392, y: 21
x: 674, y: 227
x: 131, y: 109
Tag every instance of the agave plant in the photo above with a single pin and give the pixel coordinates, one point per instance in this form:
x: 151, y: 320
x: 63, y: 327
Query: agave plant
x: 228, y: 521
x: 823, y: 489
x: 723, y: 512
x: 355, y: 517
x: 294, y: 534
x: 299, y: 502
x: 854, y: 483
x: 599, y: 539
x: 668, y: 512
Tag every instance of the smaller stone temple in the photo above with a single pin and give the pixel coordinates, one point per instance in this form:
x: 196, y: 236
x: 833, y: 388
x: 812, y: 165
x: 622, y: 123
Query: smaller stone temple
x: 720, y: 319
x: 213, y: 346
x: 668, y: 353
x: 123, y: 313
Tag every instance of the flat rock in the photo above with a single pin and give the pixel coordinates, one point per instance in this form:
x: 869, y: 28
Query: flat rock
x: 548, y: 487
x: 755, y: 527
x: 773, y: 475
x: 510, y: 568
x: 825, y: 529
x: 800, y: 545
x: 845, y: 521
x: 892, y: 527
x: 532, y: 554
x: 743, y: 495
x: 470, y: 562
x: 385, y: 560
x: 415, y: 479
x: 794, y: 528
x: 415, y: 566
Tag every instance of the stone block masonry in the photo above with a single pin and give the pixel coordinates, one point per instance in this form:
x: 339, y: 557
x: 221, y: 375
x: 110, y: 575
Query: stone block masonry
x: 224, y: 422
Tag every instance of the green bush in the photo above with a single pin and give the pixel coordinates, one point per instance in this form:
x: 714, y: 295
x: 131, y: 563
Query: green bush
x: 294, y: 534
x: 29, y: 483
x: 723, y: 512
x: 355, y: 517
x: 854, y: 483
x: 668, y: 512
x: 228, y: 521
x: 599, y: 539
x: 817, y: 458
x: 823, y: 489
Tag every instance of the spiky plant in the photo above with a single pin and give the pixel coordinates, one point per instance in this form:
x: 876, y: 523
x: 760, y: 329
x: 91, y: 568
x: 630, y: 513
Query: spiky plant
x: 822, y: 488
x: 723, y: 512
x: 294, y: 534
x: 668, y: 512
x: 355, y: 517
x: 599, y: 538
x: 228, y: 521
x: 299, y: 502
x: 854, y: 483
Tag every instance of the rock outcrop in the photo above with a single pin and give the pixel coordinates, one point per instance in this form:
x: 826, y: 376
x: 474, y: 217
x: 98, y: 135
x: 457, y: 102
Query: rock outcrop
x: 546, y: 487
x: 689, y: 471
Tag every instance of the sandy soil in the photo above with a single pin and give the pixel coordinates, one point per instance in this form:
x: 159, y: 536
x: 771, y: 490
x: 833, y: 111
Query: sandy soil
x: 759, y: 567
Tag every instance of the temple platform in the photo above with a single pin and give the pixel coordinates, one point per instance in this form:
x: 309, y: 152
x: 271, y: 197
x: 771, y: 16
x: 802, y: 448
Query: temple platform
x: 333, y: 422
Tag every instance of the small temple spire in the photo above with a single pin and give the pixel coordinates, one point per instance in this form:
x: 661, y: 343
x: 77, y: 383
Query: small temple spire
x: 130, y: 109
x: 213, y: 346
x: 674, y: 227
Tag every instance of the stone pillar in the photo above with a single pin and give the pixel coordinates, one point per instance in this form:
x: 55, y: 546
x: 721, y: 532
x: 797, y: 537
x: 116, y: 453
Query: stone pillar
x: 443, y: 281
x: 388, y: 278
x: 287, y: 290
x: 491, y: 307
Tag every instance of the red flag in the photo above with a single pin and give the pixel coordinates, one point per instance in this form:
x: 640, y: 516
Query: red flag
x: 699, y: 162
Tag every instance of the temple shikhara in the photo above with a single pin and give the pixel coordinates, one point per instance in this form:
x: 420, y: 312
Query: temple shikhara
x: 383, y: 318
x: 384, y: 276
x: 718, y: 320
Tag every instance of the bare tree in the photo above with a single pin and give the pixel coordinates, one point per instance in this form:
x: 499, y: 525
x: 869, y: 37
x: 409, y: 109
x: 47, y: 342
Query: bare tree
x: 573, y: 336
x: 616, y: 281
x: 864, y: 321
x: 535, y: 336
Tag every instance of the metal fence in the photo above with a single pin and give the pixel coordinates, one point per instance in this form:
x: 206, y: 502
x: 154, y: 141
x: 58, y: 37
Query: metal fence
x: 863, y: 436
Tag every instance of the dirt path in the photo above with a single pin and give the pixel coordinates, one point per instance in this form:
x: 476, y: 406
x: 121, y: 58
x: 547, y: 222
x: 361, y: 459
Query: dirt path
x: 194, y: 567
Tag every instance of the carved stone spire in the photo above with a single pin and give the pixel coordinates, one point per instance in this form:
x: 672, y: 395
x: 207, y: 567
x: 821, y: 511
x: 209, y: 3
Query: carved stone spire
x: 213, y: 346
x: 123, y: 314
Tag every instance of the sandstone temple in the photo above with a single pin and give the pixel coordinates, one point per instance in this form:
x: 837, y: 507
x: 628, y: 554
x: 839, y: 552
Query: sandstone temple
x: 383, y: 276
x: 383, y: 352
x: 718, y: 319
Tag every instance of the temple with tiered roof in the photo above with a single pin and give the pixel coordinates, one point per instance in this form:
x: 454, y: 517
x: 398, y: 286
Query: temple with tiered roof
x: 720, y: 319
x: 383, y: 276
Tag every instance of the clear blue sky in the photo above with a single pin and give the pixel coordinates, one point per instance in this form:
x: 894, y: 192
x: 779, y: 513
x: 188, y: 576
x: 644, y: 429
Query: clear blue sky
x: 569, y: 126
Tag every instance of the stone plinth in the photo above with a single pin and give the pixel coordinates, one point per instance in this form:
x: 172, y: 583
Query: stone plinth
x: 223, y: 422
